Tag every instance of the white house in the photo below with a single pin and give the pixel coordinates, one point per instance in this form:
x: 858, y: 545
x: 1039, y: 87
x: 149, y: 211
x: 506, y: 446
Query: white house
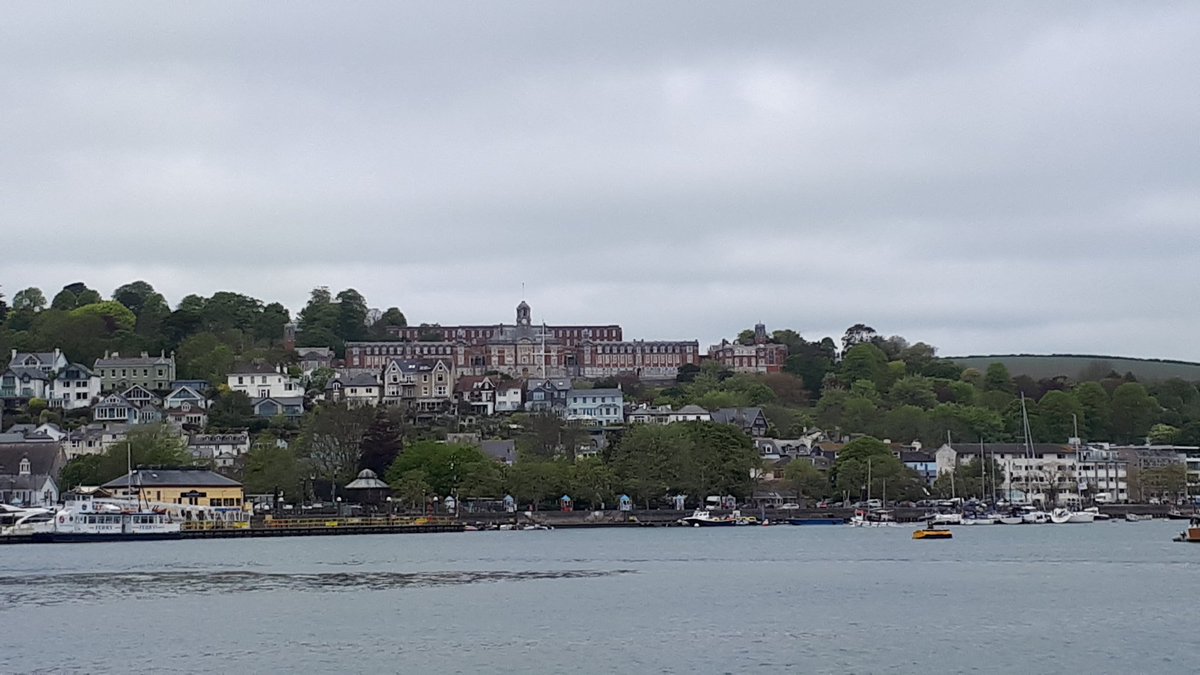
x: 689, y: 413
x: 187, y: 414
x: 76, y: 386
x: 262, y: 381
x: 509, y: 396
x: 50, y: 363
x: 355, y: 390
x: 601, y: 406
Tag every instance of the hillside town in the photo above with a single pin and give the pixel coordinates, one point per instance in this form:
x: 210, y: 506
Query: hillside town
x: 528, y: 393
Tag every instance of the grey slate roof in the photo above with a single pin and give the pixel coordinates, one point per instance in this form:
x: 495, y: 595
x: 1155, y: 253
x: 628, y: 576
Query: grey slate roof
x: 46, y: 358
x: 597, y: 392
x: 44, y: 458
x: 174, y: 478
x: 691, y: 409
x: 359, y: 379
x: 30, y: 372
x: 143, y: 360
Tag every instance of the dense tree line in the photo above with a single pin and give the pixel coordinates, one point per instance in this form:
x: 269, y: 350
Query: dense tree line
x: 208, y: 335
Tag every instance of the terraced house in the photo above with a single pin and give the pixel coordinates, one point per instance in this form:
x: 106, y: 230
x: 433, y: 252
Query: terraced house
x: 118, y: 373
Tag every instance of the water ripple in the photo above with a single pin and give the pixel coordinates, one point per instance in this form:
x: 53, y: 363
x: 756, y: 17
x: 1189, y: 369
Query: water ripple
x: 46, y: 589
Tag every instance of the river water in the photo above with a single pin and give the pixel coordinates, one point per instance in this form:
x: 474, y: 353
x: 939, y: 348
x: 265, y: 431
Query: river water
x: 1100, y: 598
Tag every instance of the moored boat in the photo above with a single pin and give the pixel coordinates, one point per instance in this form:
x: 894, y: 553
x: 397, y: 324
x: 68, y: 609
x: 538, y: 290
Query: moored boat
x: 702, y: 518
x: 84, y: 519
x: 1192, y: 534
x: 1137, y: 517
x: 874, y: 518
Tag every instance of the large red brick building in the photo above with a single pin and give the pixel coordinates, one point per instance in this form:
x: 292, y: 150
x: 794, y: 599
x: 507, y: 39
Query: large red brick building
x: 524, y: 349
x: 760, y: 357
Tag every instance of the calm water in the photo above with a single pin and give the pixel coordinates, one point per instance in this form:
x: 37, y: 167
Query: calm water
x: 1102, y: 598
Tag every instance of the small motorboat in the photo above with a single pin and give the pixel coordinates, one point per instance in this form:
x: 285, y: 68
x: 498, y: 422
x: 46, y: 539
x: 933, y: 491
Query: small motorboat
x: 1176, y: 514
x: 1137, y: 517
x: 931, y: 532
x: 1095, y: 511
x: 703, y: 518
x: 874, y: 518
x: 1192, y: 534
x: 1011, y: 520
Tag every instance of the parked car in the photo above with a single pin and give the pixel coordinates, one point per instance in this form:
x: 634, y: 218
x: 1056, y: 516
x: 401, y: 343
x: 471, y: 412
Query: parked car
x: 789, y: 506
x: 823, y: 504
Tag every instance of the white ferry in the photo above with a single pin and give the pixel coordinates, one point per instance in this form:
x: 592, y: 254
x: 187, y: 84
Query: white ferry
x: 84, y: 518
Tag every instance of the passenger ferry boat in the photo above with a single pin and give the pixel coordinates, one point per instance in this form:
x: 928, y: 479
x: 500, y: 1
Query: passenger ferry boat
x: 83, y: 518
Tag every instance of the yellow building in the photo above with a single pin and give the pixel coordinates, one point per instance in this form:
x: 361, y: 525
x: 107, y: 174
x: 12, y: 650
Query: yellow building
x: 197, y: 487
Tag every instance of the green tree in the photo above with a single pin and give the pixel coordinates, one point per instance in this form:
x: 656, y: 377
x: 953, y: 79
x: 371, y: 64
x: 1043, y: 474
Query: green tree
x: 592, y: 482
x: 1058, y: 412
x: 997, y: 378
x: 448, y: 468
x: 864, y: 362
x: 806, y: 480
x: 30, y: 299
x: 270, y: 467
x: 1133, y: 412
x: 1097, y: 410
x: 331, y: 439
x: 144, y: 446
x: 82, y: 470
x: 411, y: 487
x: 351, y: 315
x: 914, y: 390
x: 230, y: 410
x: 115, y: 316
x: 1162, y: 434
x: 382, y: 443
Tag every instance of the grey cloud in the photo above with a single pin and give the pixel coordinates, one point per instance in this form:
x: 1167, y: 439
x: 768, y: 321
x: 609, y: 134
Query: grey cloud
x: 1017, y: 177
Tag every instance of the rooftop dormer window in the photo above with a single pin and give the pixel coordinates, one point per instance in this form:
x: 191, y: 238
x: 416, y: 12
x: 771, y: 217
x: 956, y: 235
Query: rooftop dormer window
x: 24, y: 468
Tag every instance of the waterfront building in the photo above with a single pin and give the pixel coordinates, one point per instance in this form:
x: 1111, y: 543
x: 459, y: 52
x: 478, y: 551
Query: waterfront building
x: 28, y: 473
x: 118, y: 373
x: 760, y: 357
x: 924, y: 463
x: 197, y: 487
x: 1048, y: 473
x: 260, y: 380
x: 1140, y: 459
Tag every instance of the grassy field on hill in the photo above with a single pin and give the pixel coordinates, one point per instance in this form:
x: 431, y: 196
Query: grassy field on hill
x: 1085, y: 367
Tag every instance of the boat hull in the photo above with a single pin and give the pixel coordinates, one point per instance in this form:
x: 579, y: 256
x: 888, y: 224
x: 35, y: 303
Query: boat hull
x: 816, y: 521
x: 699, y: 522
x: 1012, y: 520
x: 933, y: 534
x: 1082, y: 517
x: 83, y: 538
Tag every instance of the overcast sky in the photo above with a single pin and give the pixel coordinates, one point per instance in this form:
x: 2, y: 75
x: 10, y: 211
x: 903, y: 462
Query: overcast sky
x: 1002, y: 177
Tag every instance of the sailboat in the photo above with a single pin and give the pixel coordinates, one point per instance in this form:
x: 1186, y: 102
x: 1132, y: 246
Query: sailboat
x: 869, y: 517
